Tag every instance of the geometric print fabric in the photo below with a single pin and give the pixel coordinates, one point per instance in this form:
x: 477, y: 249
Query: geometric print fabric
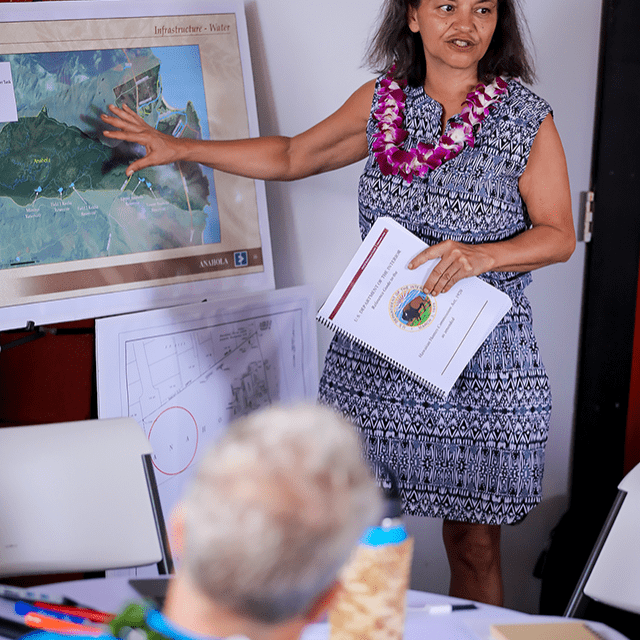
x: 478, y: 454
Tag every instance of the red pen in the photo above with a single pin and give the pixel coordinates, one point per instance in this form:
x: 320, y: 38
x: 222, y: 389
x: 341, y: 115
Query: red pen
x: 90, y: 614
x: 48, y: 623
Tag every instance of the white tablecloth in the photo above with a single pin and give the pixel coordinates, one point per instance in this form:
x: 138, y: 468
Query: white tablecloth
x: 111, y: 594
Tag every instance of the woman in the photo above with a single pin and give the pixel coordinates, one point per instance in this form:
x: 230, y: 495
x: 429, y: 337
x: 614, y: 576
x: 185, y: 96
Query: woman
x: 485, y: 184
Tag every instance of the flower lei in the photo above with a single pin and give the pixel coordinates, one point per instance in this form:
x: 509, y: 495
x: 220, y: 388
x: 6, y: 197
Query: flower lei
x: 394, y: 160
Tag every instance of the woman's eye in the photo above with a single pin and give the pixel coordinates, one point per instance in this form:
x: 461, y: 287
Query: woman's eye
x: 446, y: 7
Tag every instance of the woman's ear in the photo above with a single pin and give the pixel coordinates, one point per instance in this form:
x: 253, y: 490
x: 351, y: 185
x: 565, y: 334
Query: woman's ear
x: 412, y: 19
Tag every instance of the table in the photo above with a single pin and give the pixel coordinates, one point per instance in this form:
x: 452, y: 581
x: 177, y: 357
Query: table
x: 111, y: 594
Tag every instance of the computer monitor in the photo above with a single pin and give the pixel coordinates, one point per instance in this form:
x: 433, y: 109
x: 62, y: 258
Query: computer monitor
x: 78, y: 239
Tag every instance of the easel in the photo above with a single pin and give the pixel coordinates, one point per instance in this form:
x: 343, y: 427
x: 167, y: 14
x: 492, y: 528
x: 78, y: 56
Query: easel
x: 33, y: 333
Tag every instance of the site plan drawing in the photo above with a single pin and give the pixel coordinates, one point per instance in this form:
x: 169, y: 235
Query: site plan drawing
x: 185, y: 373
x: 72, y: 223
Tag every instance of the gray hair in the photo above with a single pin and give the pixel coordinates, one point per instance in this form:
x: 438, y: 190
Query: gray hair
x: 275, y: 510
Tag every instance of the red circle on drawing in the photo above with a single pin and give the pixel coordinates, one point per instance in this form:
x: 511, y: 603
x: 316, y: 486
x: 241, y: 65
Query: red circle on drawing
x: 176, y: 425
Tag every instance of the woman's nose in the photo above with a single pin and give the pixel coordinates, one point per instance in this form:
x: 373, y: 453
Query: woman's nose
x: 464, y: 20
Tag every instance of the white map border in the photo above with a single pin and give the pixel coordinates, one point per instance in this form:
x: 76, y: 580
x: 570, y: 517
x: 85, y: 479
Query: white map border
x: 149, y: 297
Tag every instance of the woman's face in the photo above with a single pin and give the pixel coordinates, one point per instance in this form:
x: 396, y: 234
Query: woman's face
x: 455, y: 34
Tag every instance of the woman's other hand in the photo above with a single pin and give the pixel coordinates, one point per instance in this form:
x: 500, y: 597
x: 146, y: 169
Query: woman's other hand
x: 160, y: 148
x: 457, y: 261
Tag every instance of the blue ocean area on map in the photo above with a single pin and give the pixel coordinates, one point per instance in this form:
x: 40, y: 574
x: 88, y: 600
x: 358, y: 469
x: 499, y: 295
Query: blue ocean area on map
x: 180, y: 67
x: 64, y: 195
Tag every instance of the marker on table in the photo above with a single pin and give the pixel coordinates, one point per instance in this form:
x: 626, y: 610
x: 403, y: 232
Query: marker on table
x: 437, y: 609
x: 49, y: 623
x: 82, y: 612
x: 23, y: 608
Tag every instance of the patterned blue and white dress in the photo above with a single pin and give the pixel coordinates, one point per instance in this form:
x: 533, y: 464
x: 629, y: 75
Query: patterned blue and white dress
x: 478, y: 454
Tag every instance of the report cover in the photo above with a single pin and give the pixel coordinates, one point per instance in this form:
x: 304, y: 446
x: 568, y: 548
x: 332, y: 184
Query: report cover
x: 381, y: 304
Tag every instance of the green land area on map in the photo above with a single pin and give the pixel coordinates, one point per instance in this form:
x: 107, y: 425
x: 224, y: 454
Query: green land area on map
x: 64, y: 194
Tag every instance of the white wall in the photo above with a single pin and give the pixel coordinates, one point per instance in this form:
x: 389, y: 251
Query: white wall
x: 306, y: 61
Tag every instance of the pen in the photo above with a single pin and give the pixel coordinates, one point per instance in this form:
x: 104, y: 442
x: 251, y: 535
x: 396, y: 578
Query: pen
x: 49, y: 623
x: 27, y: 595
x: 83, y: 612
x: 22, y: 608
x: 435, y: 609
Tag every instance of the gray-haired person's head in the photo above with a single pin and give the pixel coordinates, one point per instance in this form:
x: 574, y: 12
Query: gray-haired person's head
x: 275, y: 510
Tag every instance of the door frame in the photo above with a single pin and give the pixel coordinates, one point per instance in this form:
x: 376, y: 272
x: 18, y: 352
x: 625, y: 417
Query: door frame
x: 611, y: 270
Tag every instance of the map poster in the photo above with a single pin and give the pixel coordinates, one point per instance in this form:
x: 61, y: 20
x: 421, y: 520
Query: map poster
x: 72, y: 225
x: 185, y: 373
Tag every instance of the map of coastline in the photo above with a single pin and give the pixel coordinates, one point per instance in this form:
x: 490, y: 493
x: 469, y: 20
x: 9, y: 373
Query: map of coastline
x: 64, y: 194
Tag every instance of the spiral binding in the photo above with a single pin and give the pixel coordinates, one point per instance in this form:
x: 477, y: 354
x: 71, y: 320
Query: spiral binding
x: 416, y: 376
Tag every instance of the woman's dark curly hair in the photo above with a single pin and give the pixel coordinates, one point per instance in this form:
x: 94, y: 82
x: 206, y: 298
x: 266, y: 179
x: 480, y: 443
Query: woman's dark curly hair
x: 395, y: 43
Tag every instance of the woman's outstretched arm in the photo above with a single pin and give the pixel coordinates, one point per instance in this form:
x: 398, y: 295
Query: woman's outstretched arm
x: 337, y: 141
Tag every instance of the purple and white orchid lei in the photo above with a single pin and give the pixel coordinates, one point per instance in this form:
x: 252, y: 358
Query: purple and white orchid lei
x: 393, y: 160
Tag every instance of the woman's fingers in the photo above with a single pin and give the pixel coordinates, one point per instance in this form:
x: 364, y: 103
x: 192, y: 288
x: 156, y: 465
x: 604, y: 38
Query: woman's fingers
x: 457, y: 261
x: 125, y: 115
x: 129, y: 126
x: 442, y: 278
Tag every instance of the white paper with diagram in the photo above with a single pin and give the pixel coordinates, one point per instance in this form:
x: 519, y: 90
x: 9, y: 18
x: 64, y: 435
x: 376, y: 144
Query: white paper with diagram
x: 185, y: 372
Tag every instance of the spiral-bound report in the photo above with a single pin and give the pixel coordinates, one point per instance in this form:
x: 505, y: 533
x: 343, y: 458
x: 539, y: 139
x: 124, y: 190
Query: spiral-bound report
x: 380, y: 303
